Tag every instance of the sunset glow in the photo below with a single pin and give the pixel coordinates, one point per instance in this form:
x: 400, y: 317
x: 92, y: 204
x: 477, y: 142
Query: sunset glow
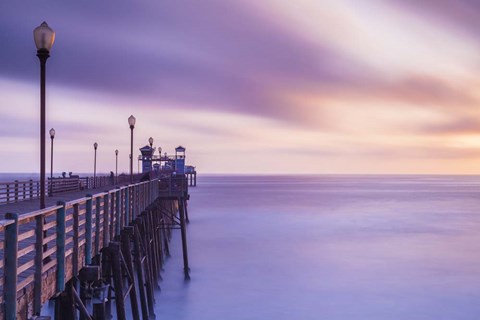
x: 249, y: 86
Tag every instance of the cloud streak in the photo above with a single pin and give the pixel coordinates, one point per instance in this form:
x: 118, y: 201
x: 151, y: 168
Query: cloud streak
x: 342, y: 70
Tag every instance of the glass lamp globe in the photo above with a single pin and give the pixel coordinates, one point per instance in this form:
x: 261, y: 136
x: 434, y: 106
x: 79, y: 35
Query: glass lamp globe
x: 44, y: 37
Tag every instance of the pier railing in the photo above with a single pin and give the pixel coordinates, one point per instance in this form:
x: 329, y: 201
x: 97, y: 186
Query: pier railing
x: 16, y: 191
x: 51, y: 245
x: 19, y: 191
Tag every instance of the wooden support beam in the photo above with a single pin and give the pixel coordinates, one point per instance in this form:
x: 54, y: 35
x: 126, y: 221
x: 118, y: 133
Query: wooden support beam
x: 127, y: 256
x: 183, y: 229
x: 113, y: 252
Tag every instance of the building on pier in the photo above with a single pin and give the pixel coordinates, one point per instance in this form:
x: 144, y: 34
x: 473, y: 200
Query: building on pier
x: 171, y: 164
x: 147, y: 158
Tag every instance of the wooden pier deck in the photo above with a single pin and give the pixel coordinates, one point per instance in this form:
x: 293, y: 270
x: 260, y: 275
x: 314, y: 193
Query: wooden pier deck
x: 34, y: 204
x: 42, y: 250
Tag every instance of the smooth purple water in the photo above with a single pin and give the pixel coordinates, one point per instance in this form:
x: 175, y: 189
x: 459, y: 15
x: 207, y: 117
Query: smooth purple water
x: 328, y: 247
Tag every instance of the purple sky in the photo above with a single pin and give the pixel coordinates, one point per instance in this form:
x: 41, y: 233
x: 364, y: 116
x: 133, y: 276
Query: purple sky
x: 248, y: 86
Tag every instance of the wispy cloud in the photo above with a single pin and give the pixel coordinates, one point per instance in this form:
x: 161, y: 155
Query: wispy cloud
x: 331, y: 77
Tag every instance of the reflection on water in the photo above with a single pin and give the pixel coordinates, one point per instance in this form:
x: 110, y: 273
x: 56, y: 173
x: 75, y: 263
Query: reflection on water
x: 328, y: 247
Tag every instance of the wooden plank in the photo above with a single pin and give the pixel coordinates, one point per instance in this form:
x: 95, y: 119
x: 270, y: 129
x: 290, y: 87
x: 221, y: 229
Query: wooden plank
x: 25, y: 282
x: 26, y: 235
x: 49, y: 225
x: 69, y: 240
x: 50, y: 251
x: 49, y: 238
x: 49, y: 265
x: 26, y: 250
x: 25, y: 266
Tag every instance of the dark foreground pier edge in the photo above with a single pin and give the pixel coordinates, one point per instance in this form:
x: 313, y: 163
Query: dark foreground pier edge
x: 102, y: 248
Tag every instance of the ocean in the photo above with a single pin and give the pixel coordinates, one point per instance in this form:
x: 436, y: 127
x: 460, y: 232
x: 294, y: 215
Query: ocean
x: 330, y: 247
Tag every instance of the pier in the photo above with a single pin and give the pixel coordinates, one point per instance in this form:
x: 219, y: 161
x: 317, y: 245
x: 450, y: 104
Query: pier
x: 91, y: 247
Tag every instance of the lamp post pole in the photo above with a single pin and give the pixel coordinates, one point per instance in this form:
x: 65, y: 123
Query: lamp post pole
x: 116, y: 166
x: 160, y: 153
x: 131, y: 122
x: 52, y: 135
x: 44, y: 37
x: 95, y: 145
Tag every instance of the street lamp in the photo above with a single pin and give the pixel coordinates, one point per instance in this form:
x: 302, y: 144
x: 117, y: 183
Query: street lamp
x: 52, y: 135
x: 95, y: 145
x: 160, y: 153
x: 150, y: 140
x: 116, y: 166
x: 44, y: 37
x: 131, y: 123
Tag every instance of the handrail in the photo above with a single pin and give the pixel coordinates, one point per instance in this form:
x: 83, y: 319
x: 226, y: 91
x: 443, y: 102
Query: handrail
x: 16, y: 191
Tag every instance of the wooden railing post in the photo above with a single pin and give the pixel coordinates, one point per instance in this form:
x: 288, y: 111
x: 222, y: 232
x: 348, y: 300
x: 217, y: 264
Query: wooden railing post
x: 39, y: 236
x: 8, y: 193
x: 97, y: 224
x: 31, y: 189
x: 16, y: 190
x: 122, y: 204
x: 88, y: 230
x: 10, y: 269
x: 61, y: 234
x: 112, y: 215
x: 135, y: 200
x: 127, y: 206
x: 117, y: 212
x: 106, y: 220
x: 76, y: 242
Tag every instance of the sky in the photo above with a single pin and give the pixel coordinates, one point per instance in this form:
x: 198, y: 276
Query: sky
x: 247, y: 86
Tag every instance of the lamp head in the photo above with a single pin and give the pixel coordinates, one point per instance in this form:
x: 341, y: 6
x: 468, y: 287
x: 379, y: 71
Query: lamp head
x: 131, y: 121
x: 52, y: 133
x: 95, y: 145
x: 44, y: 37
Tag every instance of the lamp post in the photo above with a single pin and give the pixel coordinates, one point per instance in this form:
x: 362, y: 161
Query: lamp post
x: 116, y: 166
x: 52, y: 135
x: 160, y: 153
x: 44, y: 37
x: 150, y: 140
x: 131, y: 123
x: 95, y: 145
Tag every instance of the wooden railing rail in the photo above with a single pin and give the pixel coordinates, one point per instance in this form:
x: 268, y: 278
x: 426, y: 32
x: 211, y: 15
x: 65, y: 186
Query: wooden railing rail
x: 51, y: 245
x: 19, y: 191
x: 16, y: 191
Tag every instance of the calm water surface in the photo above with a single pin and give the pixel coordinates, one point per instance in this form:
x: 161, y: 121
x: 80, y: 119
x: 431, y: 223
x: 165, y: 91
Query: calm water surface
x: 328, y: 247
